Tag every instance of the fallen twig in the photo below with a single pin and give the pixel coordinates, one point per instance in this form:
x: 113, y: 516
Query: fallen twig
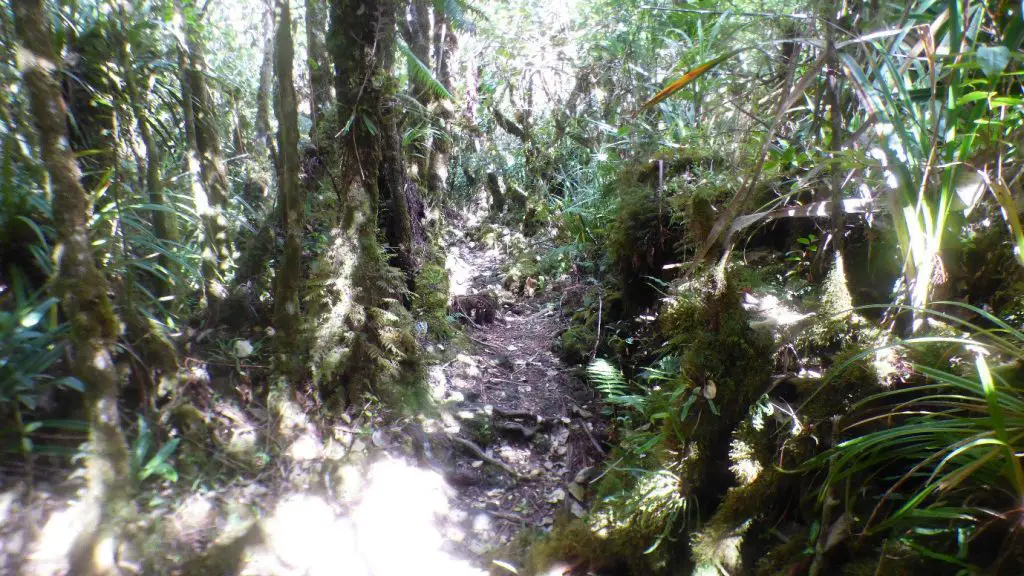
x: 482, y: 343
x: 479, y: 453
x: 527, y: 433
x: 593, y: 440
x: 507, y: 516
x: 514, y: 413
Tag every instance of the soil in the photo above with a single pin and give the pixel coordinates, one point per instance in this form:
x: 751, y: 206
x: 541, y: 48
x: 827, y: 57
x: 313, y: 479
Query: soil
x: 519, y: 433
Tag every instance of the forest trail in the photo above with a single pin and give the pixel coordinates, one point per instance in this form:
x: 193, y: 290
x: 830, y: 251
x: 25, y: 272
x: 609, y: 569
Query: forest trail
x: 512, y: 444
x: 510, y: 396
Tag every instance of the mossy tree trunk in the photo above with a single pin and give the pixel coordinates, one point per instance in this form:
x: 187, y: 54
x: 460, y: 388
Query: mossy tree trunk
x: 445, y: 45
x: 264, y: 140
x: 286, y: 292
x: 83, y: 289
x: 212, y: 195
x: 318, y: 61
x: 363, y: 340
x: 416, y: 33
x: 362, y: 45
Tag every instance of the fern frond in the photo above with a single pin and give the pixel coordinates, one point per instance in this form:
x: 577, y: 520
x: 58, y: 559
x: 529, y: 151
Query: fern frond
x: 607, y: 378
x: 420, y: 72
x: 457, y: 13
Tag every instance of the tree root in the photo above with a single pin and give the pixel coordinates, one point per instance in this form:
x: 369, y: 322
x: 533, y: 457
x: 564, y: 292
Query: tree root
x: 479, y: 453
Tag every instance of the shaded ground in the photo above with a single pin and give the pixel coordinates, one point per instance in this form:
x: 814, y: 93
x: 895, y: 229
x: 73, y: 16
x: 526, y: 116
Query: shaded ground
x: 511, y: 446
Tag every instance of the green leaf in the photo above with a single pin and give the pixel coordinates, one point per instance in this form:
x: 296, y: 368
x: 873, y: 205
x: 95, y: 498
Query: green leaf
x: 685, y: 411
x: 158, y: 462
x: 992, y: 59
x: 419, y: 72
x: 1007, y: 101
x: 973, y: 97
x: 71, y: 382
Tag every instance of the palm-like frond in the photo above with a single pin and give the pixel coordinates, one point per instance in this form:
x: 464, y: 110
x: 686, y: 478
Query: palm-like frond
x: 420, y: 72
x: 457, y: 13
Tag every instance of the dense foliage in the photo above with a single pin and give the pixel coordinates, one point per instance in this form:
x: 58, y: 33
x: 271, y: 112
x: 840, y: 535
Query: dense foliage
x: 786, y: 238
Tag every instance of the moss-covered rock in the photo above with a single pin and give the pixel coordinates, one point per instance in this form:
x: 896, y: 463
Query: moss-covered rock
x: 640, y: 242
x: 726, y: 365
x: 576, y: 344
x: 523, y: 267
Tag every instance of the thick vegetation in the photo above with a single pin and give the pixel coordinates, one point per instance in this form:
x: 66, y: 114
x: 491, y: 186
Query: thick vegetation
x: 785, y: 239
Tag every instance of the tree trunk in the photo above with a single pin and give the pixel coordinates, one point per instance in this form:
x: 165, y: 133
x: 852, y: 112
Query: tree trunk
x: 319, y: 63
x: 286, y: 293
x: 82, y: 288
x: 362, y: 44
x: 212, y: 197
x: 416, y: 33
x: 446, y: 43
x: 264, y: 140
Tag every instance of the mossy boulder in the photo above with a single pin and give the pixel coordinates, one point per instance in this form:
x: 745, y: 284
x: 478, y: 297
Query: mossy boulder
x: 524, y: 266
x: 576, y: 344
x: 641, y: 239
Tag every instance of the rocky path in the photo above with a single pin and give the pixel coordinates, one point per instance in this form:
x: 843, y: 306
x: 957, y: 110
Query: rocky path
x: 518, y: 436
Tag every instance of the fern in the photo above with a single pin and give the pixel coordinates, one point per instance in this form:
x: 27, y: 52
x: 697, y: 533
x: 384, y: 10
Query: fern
x: 457, y: 13
x: 420, y: 72
x: 608, y: 379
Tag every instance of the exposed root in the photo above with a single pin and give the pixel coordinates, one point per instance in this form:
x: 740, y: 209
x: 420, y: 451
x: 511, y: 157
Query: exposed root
x: 479, y: 453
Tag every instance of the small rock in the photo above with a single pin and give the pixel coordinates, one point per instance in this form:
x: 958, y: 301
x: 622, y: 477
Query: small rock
x: 581, y: 412
x: 477, y: 463
x: 583, y: 475
x: 577, y: 510
x: 481, y: 523
x: 478, y: 548
x: 577, y: 491
x: 556, y: 496
x: 379, y: 438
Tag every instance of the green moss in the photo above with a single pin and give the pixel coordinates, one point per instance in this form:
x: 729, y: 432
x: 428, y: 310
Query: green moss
x: 576, y: 344
x: 523, y: 266
x: 718, y: 351
x: 641, y: 239
x: 431, y: 299
x: 852, y: 377
x: 363, y: 338
x: 782, y: 558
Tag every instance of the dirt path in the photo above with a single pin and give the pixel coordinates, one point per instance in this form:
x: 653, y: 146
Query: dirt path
x: 519, y: 434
